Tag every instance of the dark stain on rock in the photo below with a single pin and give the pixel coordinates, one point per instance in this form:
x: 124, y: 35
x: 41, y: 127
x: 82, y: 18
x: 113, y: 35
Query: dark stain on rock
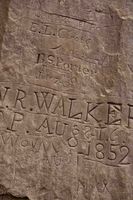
x: 11, y: 197
x: 4, y: 8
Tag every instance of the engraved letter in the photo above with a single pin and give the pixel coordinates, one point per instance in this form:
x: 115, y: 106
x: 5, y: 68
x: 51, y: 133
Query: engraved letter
x: 20, y: 96
x: 130, y: 117
x: 18, y: 117
x: 34, y: 27
x: 77, y: 115
x: 45, y: 124
x: 114, y: 114
x: 2, y: 98
x: 60, y: 128
x: 40, y: 57
x: 44, y: 101
x: 59, y: 107
x: 90, y: 110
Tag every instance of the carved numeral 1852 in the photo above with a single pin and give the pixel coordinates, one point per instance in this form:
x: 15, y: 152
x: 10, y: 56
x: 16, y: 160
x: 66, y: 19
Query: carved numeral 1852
x: 112, y: 153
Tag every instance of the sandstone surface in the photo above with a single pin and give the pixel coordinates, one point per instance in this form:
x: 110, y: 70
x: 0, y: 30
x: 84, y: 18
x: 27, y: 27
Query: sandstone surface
x: 66, y: 99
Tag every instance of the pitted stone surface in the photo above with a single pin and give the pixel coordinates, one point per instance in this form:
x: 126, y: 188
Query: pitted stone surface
x: 66, y: 99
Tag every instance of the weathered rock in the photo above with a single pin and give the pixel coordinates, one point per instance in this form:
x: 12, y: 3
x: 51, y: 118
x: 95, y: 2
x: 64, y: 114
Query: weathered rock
x: 66, y: 99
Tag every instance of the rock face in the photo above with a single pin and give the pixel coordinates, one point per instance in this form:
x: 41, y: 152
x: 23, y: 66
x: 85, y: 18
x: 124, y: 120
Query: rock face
x: 66, y: 100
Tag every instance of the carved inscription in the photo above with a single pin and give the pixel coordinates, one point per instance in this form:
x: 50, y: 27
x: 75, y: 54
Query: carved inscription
x: 66, y: 100
x: 62, y: 64
x: 96, y: 129
x: 56, y: 30
x: 62, y: 70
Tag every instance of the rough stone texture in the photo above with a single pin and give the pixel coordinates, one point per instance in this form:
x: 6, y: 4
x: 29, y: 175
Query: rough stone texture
x: 66, y: 99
